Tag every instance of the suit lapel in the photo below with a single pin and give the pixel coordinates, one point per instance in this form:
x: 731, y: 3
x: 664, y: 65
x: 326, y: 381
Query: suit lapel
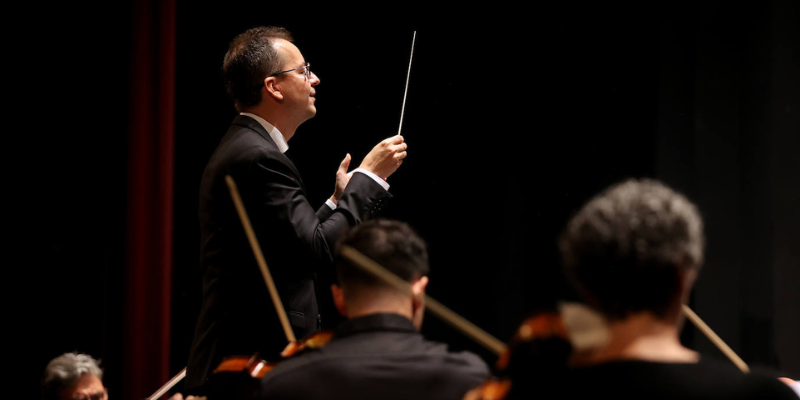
x: 250, y: 123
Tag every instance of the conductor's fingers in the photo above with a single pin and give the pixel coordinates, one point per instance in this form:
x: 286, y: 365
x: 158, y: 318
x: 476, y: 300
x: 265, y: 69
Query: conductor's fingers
x: 396, y: 139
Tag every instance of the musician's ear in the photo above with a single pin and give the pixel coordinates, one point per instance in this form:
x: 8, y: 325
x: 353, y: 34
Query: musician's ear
x: 418, y: 301
x: 338, y: 299
x: 418, y: 286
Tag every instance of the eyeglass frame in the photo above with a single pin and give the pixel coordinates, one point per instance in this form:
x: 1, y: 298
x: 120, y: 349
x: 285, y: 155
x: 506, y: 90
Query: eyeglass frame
x: 306, y: 71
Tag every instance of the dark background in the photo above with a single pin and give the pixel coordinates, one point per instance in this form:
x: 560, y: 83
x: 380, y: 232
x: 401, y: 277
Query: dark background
x: 513, y: 119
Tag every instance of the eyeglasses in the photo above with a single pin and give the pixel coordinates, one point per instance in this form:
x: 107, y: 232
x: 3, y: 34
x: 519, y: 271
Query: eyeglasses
x: 94, y: 396
x: 306, y: 71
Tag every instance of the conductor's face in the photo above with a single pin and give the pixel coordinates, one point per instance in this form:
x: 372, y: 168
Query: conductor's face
x: 296, y: 82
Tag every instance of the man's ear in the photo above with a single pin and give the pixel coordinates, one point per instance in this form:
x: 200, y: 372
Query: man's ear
x: 338, y: 299
x: 418, y: 301
x: 272, y: 88
x: 418, y: 286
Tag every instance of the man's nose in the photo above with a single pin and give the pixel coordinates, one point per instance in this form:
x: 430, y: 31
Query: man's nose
x: 313, y: 79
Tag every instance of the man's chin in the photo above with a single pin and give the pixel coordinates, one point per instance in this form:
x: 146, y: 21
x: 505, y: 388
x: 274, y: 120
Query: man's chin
x: 309, y: 115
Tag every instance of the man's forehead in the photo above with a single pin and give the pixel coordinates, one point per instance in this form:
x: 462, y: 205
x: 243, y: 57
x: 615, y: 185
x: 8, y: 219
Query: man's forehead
x: 87, y: 384
x: 288, y: 50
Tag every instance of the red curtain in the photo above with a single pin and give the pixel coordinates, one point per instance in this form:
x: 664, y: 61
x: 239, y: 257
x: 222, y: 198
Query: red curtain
x: 148, y: 269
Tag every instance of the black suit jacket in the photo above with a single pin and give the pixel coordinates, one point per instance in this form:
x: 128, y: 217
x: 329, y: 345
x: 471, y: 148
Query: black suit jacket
x: 379, y: 356
x: 237, y: 316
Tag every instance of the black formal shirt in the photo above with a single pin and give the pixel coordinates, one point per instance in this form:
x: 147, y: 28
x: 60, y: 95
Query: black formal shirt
x: 708, y: 379
x: 379, y: 356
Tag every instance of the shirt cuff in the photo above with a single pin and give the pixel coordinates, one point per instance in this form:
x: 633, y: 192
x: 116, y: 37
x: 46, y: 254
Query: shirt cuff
x: 796, y: 387
x: 376, y: 178
x: 330, y: 204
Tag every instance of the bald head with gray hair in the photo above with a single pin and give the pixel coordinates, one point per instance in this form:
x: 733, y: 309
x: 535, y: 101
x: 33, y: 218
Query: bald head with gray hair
x: 65, y: 371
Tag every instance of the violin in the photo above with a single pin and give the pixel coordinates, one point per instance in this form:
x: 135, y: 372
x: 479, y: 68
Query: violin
x: 312, y: 341
x: 539, y: 349
x: 254, y: 366
x: 546, y: 345
x: 238, y: 377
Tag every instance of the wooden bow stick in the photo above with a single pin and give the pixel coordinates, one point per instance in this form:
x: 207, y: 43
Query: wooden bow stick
x: 457, y: 321
x: 167, y: 386
x: 481, y: 336
x: 715, y: 339
x: 262, y: 264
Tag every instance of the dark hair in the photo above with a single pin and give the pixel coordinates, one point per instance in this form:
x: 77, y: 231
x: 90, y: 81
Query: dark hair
x: 625, y: 246
x: 392, y: 244
x: 251, y: 57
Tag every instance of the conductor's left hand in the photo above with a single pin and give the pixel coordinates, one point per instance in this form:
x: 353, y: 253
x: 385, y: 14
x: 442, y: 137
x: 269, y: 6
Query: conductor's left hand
x: 342, y: 178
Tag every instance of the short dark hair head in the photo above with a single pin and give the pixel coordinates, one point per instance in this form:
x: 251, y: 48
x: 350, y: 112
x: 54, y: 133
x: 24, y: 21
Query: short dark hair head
x: 251, y: 57
x: 392, y: 244
x: 625, y: 247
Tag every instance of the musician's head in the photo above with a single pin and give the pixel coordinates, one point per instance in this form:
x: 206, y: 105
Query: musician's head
x: 635, y: 247
x: 265, y: 73
x: 73, y: 376
x: 399, y: 249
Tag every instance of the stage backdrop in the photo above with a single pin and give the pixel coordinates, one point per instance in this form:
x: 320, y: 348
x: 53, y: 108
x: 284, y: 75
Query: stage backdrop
x: 513, y: 121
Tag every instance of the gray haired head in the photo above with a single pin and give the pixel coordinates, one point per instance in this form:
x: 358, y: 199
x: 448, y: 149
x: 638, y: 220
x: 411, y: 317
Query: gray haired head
x: 627, y: 248
x: 65, y: 370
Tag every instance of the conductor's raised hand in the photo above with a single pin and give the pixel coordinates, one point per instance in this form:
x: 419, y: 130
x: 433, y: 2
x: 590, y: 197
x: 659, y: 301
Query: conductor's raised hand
x: 342, y: 179
x: 386, y: 156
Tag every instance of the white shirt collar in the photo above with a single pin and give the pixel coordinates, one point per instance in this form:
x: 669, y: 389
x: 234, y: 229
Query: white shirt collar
x: 274, y: 133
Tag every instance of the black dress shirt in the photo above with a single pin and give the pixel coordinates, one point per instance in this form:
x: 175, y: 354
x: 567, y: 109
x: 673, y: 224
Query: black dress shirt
x: 707, y: 379
x: 379, y: 356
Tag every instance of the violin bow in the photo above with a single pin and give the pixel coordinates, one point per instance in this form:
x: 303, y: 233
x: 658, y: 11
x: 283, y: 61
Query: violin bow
x: 167, y: 386
x: 482, y: 337
x: 455, y: 320
x: 715, y: 339
x: 262, y: 264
